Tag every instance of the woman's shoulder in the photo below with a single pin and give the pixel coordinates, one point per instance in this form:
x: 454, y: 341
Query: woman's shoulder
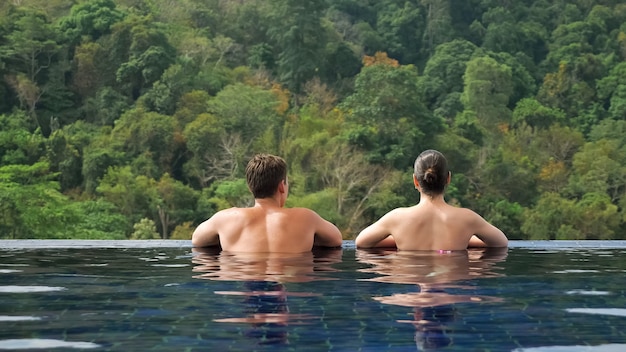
x: 461, y: 209
x: 466, y: 214
x: 402, y: 211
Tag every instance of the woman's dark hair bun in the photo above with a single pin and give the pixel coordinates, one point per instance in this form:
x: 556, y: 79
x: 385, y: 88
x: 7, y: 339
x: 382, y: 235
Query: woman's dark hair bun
x: 431, y: 172
x: 430, y: 176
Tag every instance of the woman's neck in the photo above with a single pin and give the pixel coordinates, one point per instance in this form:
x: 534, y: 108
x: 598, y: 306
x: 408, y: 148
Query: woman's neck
x: 432, y: 199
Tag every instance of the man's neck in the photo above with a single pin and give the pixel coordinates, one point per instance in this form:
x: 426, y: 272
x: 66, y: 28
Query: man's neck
x: 269, y: 202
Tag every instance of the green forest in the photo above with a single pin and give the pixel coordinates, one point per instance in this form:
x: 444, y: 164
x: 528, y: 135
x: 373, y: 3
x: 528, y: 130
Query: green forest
x: 135, y: 118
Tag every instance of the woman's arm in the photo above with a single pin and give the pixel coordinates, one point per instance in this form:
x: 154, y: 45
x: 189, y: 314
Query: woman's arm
x: 388, y: 242
x: 490, y: 235
x: 377, y: 234
x: 476, y: 242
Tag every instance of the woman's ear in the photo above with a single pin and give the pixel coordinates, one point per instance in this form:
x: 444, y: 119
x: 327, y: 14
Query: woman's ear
x: 417, y: 184
x: 449, y: 177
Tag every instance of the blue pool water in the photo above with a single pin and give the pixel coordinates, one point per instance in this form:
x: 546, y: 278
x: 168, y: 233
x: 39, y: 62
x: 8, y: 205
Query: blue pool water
x: 165, y: 296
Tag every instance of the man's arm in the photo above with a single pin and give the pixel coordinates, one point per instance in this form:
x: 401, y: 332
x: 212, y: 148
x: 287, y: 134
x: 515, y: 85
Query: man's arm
x: 206, y: 234
x: 326, y: 233
x: 488, y: 234
x: 377, y: 234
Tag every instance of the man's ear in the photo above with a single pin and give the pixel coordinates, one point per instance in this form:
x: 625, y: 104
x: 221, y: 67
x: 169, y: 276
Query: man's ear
x: 417, y: 184
x: 281, y: 186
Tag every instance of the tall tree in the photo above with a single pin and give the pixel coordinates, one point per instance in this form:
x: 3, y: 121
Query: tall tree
x: 143, y: 51
x: 30, y: 48
x: 150, y: 137
x: 438, y: 23
x: 213, y: 157
x: 246, y: 110
x: 612, y: 91
x: 18, y: 145
x: 386, y: 116
x: 442, y: 81
x: 92, y: 18
x: 401, y: 26
x: 133, y: 195
x: 487, y: 90
x: 31, y: 205
x: 31, y: 44
x: 297, y: 30
x: 176, y: 203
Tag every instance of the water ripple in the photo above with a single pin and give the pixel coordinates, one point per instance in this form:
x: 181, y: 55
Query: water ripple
x: 22, y: 344
x: 29, y: 289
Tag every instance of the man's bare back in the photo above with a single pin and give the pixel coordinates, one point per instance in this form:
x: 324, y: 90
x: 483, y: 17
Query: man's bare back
x: 265, y: 228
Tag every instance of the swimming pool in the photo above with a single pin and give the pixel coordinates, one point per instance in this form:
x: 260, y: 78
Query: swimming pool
x: 162, y: 296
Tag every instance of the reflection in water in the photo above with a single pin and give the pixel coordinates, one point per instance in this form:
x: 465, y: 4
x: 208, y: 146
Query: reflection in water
x: 263, y: 277
x: 434, y: 273
x: 267, y: 312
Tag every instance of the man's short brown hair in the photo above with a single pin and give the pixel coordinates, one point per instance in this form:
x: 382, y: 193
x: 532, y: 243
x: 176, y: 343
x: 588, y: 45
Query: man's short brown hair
x: 264, y: 173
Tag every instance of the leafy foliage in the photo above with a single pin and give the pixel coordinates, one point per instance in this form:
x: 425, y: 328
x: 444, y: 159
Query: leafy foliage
x: 123, y: 119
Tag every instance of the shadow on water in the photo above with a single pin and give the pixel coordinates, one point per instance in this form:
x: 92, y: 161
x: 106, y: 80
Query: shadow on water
x: 264, y: 294
x: 435, y: 275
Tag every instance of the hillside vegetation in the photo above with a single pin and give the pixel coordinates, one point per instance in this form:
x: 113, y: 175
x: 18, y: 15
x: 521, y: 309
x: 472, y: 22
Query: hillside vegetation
x: 135, y: 118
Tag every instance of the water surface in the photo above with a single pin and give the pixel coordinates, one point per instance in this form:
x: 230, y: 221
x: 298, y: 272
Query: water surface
x: 176, y: 299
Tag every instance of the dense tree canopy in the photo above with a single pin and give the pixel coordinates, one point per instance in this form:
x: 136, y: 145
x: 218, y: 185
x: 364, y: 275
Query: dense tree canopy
x: 135, y: 118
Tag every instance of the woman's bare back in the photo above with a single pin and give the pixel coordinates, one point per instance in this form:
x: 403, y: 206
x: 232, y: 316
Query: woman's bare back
x: 431, y: 225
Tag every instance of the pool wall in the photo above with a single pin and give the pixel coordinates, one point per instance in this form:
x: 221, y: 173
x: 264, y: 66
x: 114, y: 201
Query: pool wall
x: 348, y: 244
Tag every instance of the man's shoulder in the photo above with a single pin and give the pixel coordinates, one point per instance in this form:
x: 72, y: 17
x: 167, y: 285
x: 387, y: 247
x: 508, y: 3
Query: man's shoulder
x: 230, y: 212
x: 302, y: 214
x: 299, y: 211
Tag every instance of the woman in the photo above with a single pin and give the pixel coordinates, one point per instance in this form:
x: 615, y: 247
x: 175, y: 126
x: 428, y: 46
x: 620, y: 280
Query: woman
x: 432, y: 224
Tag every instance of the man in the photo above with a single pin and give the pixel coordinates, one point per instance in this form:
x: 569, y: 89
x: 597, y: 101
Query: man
x: 267, y: 226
